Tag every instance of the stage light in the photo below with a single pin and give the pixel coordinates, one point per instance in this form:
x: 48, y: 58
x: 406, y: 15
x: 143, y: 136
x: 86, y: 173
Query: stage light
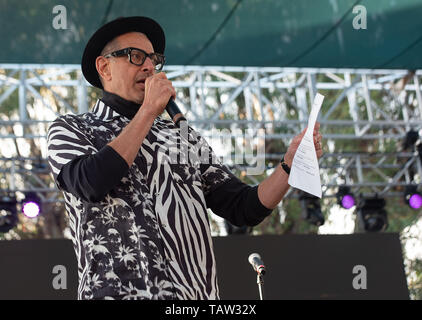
x: 412, y: 197
x: 372, y: 216
x: 419, y: 149
x: 311, y: 209
x: 345, y: 197
x: 31, y: 205
x: 410, y: 140
x: 8, y: 213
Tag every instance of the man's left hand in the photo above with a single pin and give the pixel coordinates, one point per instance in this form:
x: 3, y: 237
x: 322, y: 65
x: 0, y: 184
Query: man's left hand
x: 291, y: 151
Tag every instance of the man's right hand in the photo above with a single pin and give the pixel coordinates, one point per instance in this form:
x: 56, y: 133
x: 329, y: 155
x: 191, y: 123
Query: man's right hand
x: 158, y: 91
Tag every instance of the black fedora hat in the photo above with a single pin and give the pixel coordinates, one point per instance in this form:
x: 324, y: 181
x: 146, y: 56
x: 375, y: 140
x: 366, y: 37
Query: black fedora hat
x: 111, y: 30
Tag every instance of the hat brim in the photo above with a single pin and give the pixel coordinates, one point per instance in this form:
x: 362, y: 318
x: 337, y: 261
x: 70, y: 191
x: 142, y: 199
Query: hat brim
x: 113, y: 29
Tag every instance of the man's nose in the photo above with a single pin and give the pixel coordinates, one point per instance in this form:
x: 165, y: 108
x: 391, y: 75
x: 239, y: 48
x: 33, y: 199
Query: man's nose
x: 148, y: 66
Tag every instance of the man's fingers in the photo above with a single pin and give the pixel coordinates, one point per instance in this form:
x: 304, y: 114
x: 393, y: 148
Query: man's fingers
x: 318, y: 137
x: 299, y: 137
x: 317, y: 125
x: 161, y: 75
x: 316, y: 128
x: 173, y: 93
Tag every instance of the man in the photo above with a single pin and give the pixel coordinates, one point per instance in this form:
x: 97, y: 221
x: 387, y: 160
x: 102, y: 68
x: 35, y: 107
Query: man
x: 139, y: 222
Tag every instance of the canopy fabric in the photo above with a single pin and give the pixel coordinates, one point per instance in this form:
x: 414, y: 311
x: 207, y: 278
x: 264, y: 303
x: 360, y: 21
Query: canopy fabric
x: 271, y: 33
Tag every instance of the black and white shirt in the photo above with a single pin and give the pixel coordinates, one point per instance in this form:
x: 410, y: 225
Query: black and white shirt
x: 142, y: 232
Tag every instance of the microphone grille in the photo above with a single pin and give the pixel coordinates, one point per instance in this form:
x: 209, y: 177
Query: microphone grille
x: 253, y: 256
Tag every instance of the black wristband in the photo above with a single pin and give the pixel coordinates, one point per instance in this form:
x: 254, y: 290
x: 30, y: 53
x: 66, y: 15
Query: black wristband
x: 285, y: 166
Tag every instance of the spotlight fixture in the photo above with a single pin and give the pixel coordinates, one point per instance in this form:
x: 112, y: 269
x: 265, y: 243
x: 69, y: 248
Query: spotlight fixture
x: 311, y: 209
x: 8, y: 213
x: 410, y: 140
x: 419, y: 149
x: 31, y: 205
x: 372, y: 216
x: 412, y: 197
x: 345, y: 197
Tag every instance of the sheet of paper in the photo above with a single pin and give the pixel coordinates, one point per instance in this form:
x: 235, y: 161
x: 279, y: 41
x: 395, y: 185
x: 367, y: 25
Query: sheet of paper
x: 304, y: 173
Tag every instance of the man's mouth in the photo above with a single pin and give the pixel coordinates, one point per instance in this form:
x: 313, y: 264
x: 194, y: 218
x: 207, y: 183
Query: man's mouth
x: 141, y: 82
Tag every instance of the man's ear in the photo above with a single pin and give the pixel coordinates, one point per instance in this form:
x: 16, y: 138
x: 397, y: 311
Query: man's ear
x: 103, y: 68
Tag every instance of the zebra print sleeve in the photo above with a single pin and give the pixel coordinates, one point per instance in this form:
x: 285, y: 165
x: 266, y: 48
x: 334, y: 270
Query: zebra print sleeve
x: 65, y: 142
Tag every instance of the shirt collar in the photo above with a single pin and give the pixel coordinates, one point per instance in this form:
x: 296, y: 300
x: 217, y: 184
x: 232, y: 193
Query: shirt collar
x: 118, y: 105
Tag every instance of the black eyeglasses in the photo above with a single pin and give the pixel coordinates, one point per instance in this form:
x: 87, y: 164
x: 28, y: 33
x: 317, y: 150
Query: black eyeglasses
x: 138, y: 57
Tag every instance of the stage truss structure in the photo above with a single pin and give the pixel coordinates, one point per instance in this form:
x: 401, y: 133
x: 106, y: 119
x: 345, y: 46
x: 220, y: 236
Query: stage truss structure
x: 373, y: 109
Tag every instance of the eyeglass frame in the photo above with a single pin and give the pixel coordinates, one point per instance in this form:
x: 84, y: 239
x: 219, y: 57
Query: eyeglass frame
x: 128, y: 51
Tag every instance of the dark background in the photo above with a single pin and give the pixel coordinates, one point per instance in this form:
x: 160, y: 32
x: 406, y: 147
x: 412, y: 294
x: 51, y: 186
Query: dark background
x: 312, y: 266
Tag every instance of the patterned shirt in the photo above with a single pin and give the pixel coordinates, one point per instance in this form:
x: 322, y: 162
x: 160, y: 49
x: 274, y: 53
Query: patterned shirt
x: 148, y: 236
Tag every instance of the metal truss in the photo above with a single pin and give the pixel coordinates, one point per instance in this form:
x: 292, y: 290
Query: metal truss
x: 371, y: 107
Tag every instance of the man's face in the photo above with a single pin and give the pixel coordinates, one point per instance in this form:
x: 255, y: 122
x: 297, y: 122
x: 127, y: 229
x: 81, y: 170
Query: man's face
x: 126, y: 79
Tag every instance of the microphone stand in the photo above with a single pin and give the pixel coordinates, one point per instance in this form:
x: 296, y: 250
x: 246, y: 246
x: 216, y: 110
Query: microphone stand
x: 258, y: 265
x: 260, y: 282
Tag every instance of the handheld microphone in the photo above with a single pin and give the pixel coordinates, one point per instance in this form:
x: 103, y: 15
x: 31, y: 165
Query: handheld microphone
x: 257, y: 264
x: 173, y: 110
